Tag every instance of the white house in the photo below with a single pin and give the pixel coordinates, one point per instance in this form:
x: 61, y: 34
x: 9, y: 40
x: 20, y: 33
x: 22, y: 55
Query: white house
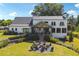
x: 58, y: 24
x: 20, y: 24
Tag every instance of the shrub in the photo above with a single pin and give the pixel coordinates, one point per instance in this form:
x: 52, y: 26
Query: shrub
x: 47, y: 37
x: 76, y: 34
x: 15, y: 37
x: 77, y: 29
x: 10, y: 33
x: 17, y: 40
x: 71, y: 37
x: 20, y: 40
x: 67, y: 38
x: 54, y: 40
x: 64, y: 39
x: 2, y: 31
x: 3, y: 43
x: 77, y: 49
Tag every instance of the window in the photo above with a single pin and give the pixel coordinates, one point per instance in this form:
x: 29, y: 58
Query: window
x: 63, y: 30
x: 12, y: 29
x: 25, y: 30
x: 53, y: 23
x: 15, y: 29
x: 53, y: 30
x: 58, y: 30
x: 61, y: 23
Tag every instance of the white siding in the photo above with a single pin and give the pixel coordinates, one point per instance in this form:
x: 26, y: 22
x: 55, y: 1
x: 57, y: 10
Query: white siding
x: 57, y: 35
x: 19, y: 28
x: 48, y: 19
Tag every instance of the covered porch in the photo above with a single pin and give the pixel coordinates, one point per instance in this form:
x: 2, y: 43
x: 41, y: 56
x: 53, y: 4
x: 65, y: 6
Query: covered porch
x: 42, y: 29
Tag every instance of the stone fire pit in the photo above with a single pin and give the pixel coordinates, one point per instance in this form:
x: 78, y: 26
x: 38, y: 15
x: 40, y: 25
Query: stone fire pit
x: 41, y: 47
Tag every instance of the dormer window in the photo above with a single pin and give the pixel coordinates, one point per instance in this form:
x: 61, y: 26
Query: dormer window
x: 61, y: 23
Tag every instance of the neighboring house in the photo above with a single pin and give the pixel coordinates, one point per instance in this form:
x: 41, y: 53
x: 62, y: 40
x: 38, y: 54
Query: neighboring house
x: 57, y: 25
x: 21, y: 24
x: 4, y: 28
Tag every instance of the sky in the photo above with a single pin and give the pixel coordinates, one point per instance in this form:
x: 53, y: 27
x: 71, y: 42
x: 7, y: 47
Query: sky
x: 12, y: 10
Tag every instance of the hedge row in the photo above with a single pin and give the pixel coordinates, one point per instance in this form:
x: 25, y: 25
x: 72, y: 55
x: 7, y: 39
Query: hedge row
x: 2, y: 31
x: 4, y: 43
x: 16, y: 39
x: 9, y: 33
x: 54, y: 40
x: 57, y: 41
x: 76, y: 35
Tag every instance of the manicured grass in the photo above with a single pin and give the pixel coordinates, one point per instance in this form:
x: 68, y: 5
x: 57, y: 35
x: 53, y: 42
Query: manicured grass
x: 21, y: 49
x: 75, y: 43
x: 76, y: 33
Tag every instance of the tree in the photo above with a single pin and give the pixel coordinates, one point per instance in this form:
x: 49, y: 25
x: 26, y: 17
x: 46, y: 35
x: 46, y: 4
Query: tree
x: 48, y: 9
x: 71, y: 27
x: 71, y: 37
x: 71, y: 23
x: 77, y: 28
x: 1, y: 22
x: 77, y: 20
x: 77, y: 24
x: 5, y: 22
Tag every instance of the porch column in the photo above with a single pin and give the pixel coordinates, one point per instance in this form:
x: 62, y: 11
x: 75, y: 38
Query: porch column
x: 50, y: 30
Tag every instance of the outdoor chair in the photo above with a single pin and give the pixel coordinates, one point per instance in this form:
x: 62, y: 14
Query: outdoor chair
x: 50, y: 49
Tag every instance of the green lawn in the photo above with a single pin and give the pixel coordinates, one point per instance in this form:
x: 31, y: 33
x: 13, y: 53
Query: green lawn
x: 75, y: 41
x: 21, y: 49
x: 76, y: 33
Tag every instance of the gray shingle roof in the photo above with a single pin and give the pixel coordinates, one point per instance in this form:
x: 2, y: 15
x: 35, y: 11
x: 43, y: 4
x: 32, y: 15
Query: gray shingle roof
x: 27, y: 20
x: 48, y: 17
x: 22, y: 20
